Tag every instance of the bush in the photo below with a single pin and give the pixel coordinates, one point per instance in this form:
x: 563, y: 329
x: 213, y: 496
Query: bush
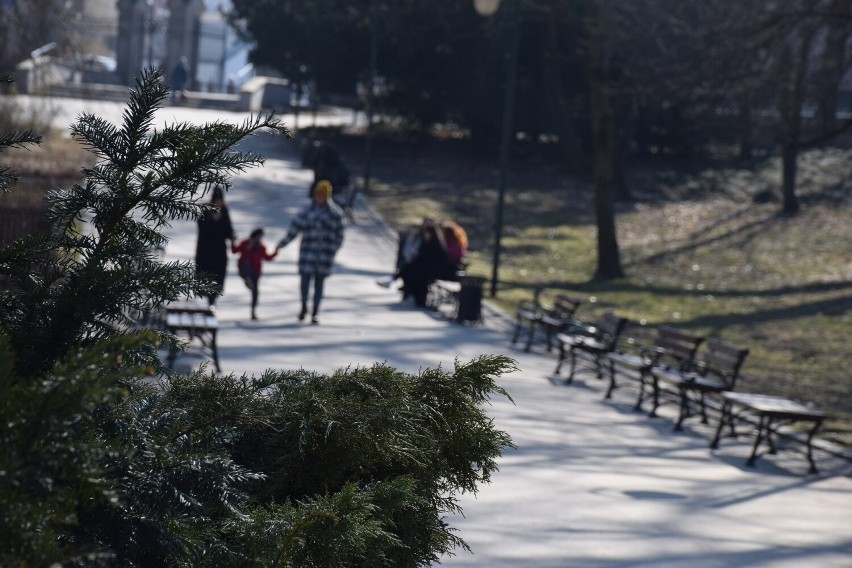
x: 104, y: 466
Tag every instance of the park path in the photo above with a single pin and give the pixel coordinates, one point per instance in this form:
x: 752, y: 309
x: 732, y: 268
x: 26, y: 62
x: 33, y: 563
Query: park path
x: 591, y: 483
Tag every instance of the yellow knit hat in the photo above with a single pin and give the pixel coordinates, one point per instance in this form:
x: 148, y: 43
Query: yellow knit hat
x: 323, y: 190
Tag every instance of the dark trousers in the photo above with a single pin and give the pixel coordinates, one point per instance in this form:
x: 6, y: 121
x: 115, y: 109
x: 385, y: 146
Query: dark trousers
x: 415, y: 282
x: 253, y: 283
x: 319, y: 285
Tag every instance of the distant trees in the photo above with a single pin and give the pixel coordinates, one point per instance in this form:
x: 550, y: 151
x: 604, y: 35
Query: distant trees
x: 26, y: 25
x: 808, y: 53
x: 723, y: 70
x: 664, y: 78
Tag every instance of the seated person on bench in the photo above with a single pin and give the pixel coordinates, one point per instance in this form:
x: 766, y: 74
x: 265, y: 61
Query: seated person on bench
x: 455, y: 240
x: 409, y: 244
x: 424, y: 268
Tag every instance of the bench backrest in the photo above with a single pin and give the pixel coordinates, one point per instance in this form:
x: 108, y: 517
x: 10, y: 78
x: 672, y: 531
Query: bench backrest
x: 611, y: 324
x: 678, y: 346
x: 723, y: 361
x: 564, y: 306
x: 635, y: 336
x: 609, y: 328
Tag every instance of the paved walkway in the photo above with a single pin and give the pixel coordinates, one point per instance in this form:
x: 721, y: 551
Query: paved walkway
x: 591, y: 483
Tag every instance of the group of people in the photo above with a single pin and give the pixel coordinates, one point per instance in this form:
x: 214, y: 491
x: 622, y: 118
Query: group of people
x: 430, y: 252
x: 321, y: 226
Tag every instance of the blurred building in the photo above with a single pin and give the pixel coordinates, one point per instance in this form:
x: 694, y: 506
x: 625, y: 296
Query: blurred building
x: 89, y: 42
x: 161, y: 32
x: 95, y: 28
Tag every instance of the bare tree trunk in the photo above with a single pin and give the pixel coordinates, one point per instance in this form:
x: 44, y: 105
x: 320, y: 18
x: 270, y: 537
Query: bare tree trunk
x: 794, y: 64
x: 609, y: 259
x: 746, y: 131
x: 832, y: 63
x: 789, y: 164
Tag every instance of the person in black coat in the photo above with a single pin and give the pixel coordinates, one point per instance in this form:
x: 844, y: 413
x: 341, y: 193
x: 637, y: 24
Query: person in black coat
x: 211, y: 251
x: 424, y: 268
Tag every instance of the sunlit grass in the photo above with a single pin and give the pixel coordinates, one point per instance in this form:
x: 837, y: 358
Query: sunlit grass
x: 716, y: 263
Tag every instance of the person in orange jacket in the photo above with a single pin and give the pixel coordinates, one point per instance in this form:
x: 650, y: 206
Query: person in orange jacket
x: 252, y: 253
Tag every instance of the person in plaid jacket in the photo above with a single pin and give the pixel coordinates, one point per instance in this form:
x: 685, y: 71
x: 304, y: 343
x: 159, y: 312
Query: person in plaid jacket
x: 321, y: 226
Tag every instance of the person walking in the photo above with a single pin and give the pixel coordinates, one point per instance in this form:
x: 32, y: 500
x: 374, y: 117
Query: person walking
x: 178, y: 79
x: 252, y: 253
x: 211, y: 251
x: 321, y: 226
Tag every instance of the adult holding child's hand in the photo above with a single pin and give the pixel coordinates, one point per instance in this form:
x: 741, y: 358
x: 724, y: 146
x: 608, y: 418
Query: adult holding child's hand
x: 321, y: 226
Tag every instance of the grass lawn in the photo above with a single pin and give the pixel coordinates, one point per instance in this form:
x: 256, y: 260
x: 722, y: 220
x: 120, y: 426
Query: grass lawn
x: 699, y: 251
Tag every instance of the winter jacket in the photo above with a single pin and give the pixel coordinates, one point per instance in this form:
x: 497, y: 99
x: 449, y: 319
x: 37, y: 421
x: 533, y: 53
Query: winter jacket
x: 211, y: 249
x: 321, y: 227
x: 252, y: 255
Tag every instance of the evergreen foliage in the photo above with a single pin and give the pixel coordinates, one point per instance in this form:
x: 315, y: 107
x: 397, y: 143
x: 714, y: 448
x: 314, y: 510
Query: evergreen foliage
x: 110, y: 460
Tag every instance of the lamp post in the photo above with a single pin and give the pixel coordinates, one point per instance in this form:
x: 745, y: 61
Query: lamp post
x: 488, y: 8
x: 150, y: 27
x: 369, y: 103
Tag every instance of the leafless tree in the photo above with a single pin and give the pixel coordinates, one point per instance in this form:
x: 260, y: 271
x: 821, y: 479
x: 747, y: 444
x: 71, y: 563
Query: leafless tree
x: 26, y: 25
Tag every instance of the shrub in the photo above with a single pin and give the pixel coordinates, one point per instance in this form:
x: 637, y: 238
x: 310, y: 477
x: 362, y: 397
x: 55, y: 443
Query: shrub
x: 111, y: 459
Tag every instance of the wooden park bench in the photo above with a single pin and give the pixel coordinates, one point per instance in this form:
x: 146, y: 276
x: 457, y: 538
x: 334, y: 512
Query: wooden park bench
x: 671, y: 349
x: 770, y: 413
x: 589, y: 344
x: 196, y: 322
x: 714, y: 371
x: 553, y: 319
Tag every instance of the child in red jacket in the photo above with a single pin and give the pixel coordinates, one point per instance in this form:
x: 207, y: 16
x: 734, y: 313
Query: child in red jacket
x: 252, y: 254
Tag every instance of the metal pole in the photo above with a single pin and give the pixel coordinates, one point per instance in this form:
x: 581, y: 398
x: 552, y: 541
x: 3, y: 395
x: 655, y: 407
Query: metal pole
x: 515, y: 18
x: 371, y: 85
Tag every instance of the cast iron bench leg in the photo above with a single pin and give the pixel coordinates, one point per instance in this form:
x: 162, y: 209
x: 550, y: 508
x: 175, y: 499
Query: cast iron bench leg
x: 612, y: 384
x: 684, y: 408
x: 724, y: 418
x: 762, y: 430
x: 573, y: 368
x: 643, y: 380
x: 561, y: 359
x: 215, y: 350
x: 811, y: 435
x: 517, y: 332
x: 530, y: 334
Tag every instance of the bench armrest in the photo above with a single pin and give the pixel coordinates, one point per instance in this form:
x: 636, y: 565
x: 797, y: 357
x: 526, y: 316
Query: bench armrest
x: 582, y: 328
